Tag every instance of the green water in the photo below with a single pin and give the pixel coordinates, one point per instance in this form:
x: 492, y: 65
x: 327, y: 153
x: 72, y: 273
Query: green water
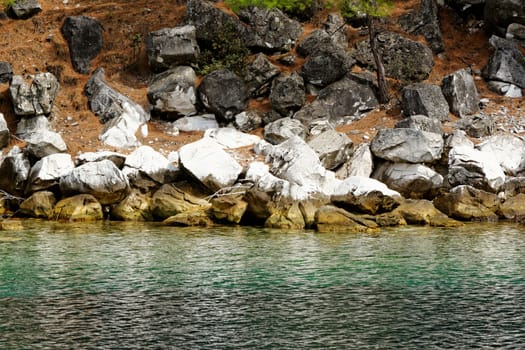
x: 138, y: 286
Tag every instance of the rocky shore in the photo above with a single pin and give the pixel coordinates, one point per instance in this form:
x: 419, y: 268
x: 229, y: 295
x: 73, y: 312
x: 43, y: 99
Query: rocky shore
x: 451, y: 155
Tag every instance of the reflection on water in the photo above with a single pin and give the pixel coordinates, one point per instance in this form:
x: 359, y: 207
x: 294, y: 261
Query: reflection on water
x: 137, y: 286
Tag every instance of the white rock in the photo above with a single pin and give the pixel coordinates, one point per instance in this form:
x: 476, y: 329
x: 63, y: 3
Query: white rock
x: 196, y: 123
x: 152, y: 163
x: 508, y: 150
x: 231, y: 138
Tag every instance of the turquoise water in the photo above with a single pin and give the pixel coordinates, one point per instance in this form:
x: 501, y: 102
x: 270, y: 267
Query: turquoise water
x: 136, y: 286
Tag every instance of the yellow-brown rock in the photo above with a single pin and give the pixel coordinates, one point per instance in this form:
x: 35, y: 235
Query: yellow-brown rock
x: 228, y: 208
x: 189, y: 218
x: 513, y: 208
x: 169, y: 200
x: 287, y: 217
x: 135, y: 207
x: 423, y: 212
x: 82, y: 207
x: 332, y: 219
x: 38, y: 205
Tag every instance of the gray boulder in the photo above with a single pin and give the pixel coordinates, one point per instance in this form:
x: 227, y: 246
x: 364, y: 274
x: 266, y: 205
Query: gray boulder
x: 121, y: 116
x: 332, y: 147
x: 275, y: 32
x: 287, y: 94
x: 326, y: 64
x: 248, y: 120
x: 173, y: 92
x: 505, y: 89
x: 101, y: 179
x: 407, y: 145
x: 4, y: 132
x: 84, y: 38
x: 360, y: 163
x: 469, y: 166
x: 425, y: 22
x: 209, y: 163
x: 342, y: 101
x: 44, y: 143
x: 31, y: 125
x: 35, y: 98
x: 318, y: 38
x: 224, y: 103
x: 282, y: 129
x: 404, y: 59
x: 461, y: 93
x: 421, y: 122
x: 196, y: 123
x: 117, y: 158
x: 170, y: 47
x: 146, y: 161
x: 6, y: 72
x: 47, y: 172
x: 426, y: 99
x: 507, y: 64
x: 516, y: 32
x: 508, y: 150
x: 14, y: 168
x: 259, y: 74
x: 411, y: 180
x: 23, y: 9
x: 478, y: 125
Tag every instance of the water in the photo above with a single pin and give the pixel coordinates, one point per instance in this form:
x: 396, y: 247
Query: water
x: 137, y: 286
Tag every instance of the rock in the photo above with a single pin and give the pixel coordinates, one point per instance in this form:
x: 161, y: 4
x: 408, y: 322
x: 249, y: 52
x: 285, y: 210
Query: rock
x: 209, y: 163
x: 344, y: 100
x: 516, y: 32
x: 84, y: 38
x: 404, y: 59
x: 4, y: 132
x: 23, y: 9
x: 35, y: 98
x: 411, y: 180
x: 425, y: 22
x: 508, y: 150
x: 468, y: 166
x: 6, y: 72
x: 274, y: 30
x: 332, y: 219
x: 224, y: 103
x: 461, y: 93
x: 468, y: 203
x: 423, y: 212
x: 14, y: 168
x: 170, y: 47
x: 106, y: 102
x: 247, y: 121
x: 196, y: 123
x: 326, y: 64
x: 10, y: 225
x: 500, y: 13
x: 231, y: 138
x: 146, y: 161
x: 287, y: 94
x: 332, y: 147
x: 296, y: 162
x: 317, y: 39
x: 30, y: 125
x: 47, y: 172
x: 135, y: 207
x: 125, y: 115
x: 283, y: 129
x: 513, y: 208
x: 38, y: 205
x: 422, y: 123
x: 82, y: 207
x: 117, y: 158
x: 259, y: 74
x: 170, y: 200
x: 173, y: 92
x: 365, y: 195
x: 505, y: 89
x: 210, y: 22
x: 479, y: 125
x: 189, y: 218
x: 513, y: 186
x: 45, y: 143
x: 407, y: 145
x: 507, y: 64
x: 101, y: 179
x: 334, y: 25
x: 360, y: 163
x: 288, y: 217
x: 426, y: 99
x: 229, y: 208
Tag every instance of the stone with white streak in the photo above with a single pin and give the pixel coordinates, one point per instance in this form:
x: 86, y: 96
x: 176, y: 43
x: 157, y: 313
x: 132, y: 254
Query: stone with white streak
x: 509, y: 150
x: 360, y: 163
x: 333, y: 148
x: 208, y: 162
x: 47, y: 172
x: 44, y: 143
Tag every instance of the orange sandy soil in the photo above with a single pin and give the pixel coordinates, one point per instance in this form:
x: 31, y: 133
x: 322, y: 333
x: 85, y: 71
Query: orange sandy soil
x: 36, y: 45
